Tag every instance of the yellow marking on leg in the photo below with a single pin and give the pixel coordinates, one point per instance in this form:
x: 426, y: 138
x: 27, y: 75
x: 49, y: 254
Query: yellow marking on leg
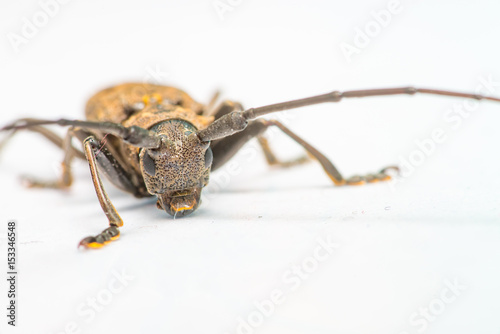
x: 358, y: 183
x: 336, y: 181
x: 386, y: 178
x: 94, y: 245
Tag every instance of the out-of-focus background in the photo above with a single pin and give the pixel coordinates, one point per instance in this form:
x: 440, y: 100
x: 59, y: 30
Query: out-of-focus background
x: 270, y: 250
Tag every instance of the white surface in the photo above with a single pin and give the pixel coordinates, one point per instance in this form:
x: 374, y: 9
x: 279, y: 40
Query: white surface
x: 397, y: 246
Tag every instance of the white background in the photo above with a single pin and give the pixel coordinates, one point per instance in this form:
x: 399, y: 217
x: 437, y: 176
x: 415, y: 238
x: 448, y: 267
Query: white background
x: 397, y: 245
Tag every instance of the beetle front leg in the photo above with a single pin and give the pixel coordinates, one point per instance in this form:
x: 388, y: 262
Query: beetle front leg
x: 115, y: 221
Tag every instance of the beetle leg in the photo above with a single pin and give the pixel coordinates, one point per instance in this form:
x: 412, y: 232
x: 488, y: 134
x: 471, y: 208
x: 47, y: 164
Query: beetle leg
x: 274, y: 161
x: 106, y: 236
x: 329, y: 168
x: 226, y: 148
x: 113, y: 168
x: 227, y: 107
x: 50, y: 135
x: 66, y: 178
x: 115, y: 221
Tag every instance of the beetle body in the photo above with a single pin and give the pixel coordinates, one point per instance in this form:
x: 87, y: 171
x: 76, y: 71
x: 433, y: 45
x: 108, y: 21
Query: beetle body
x: 152, y: 140
x: 176, y: 172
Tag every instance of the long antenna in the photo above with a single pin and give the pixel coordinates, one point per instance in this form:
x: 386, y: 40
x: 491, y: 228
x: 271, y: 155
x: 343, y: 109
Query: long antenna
x: 237, y: 121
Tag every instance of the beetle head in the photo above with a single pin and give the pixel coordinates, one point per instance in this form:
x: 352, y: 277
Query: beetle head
x: 177, y: 170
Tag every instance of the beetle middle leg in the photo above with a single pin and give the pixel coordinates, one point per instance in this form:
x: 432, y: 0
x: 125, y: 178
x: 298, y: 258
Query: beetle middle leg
x: 65, y: 144
x: 225, y: 148
x: 66, y: 178
x: 271, y: 158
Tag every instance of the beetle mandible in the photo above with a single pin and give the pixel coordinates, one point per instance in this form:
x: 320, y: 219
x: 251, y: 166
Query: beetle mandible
x: 153, y: 140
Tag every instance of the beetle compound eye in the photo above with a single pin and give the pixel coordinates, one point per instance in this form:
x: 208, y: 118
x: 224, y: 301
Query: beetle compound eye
x: 208, y: 157
x: 149, y: 164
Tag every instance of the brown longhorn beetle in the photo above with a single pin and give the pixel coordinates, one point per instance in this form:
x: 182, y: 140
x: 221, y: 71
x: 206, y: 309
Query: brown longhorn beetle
x: 152, y: 140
